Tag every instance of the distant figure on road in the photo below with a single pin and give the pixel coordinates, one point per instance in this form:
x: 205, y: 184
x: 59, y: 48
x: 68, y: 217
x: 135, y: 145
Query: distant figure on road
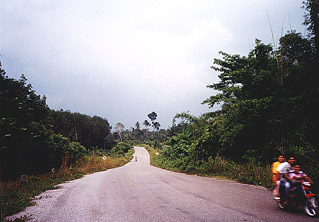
x: 135, y: 158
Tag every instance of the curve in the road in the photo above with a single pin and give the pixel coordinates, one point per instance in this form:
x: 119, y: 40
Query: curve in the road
x: 141, y: 192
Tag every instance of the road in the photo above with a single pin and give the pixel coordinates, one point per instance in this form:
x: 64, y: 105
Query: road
x: 140, y: 192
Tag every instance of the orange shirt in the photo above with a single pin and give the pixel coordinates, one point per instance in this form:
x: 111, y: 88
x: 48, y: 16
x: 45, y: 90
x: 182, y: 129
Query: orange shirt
x: 274, y: 167
x: 274, y: 171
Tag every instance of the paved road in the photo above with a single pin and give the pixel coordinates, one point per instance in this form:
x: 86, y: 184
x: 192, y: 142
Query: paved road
x: 139, y: 192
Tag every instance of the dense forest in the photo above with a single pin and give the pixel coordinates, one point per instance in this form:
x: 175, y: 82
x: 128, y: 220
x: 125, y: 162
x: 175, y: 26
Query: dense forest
x: 35, y: 138
x: 268, y: 107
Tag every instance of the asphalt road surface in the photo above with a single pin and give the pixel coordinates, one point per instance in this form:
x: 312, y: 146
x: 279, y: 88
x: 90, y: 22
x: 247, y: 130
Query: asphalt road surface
x: 140, y: 192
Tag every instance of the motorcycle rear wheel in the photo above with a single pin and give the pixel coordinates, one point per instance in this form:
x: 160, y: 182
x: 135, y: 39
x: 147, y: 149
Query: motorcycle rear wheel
x: 311, y: 207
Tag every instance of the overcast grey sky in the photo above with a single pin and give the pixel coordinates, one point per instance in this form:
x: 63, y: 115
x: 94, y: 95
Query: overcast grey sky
x: 122, y: 59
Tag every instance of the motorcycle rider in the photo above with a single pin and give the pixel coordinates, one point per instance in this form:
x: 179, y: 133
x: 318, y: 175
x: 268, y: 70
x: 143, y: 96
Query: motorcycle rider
x: 275, y: 176
x: 284, y: 169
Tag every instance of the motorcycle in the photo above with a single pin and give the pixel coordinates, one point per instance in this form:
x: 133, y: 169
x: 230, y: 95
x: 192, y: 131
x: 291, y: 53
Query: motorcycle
x: 301, y: 196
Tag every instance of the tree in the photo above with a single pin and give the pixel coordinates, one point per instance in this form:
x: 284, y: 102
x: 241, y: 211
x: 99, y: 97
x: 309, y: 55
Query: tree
x: 137, y: 125
x: 119, y: 127
x: 137, y: 130
x: 26, y: 144
x: 153, y: 116
x: 312, y: 21
x: 87, y: 130
x: 23, y: 137
x: 156, y: 125
x: 146, y: 124
x: 251, y: 91
x: 266, y: 106
x: 100, y: 130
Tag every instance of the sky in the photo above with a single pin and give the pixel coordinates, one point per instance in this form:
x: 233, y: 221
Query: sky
x: 123, y: 59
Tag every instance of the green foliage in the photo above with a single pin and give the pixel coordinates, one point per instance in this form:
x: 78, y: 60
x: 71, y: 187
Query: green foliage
x: 34, y: 138
x: 23, y: 137
x: 267, y: 109
x: 264, y: 103
x: 61, y: 146
x: 312, y: 21
x: 120, y: 149
x: 17, y: 197
x: 153, y: 116
x: 89, y: 131
x: 250, y: 173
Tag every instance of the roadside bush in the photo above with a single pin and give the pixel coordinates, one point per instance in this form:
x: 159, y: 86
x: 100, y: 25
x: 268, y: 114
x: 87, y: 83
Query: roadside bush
x: 249, y: 172
x: 120, y: 149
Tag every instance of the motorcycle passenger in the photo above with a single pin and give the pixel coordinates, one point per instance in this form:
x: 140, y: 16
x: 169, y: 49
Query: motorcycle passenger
x: 284, y: 169
x: 276, y: 177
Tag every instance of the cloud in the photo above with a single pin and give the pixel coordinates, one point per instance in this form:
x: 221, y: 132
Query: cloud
x: 124, y: 59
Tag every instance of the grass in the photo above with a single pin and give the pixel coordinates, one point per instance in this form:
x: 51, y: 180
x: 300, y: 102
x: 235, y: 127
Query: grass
x: 15, y: 197
x: 218, y: 167
x: 249, y: 173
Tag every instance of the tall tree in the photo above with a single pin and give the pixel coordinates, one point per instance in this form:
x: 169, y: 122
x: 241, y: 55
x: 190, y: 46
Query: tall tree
x: 119, y: 128
x: 137, y: 130
x: 153, y: 116
x: 157, y: 125
x: 23, y: 137
x: 137, y: 126
x: 26, y: 145
x: 146, y: 124
x: 89, y: 131
x: 263, y: 109
x: 312, y: 21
